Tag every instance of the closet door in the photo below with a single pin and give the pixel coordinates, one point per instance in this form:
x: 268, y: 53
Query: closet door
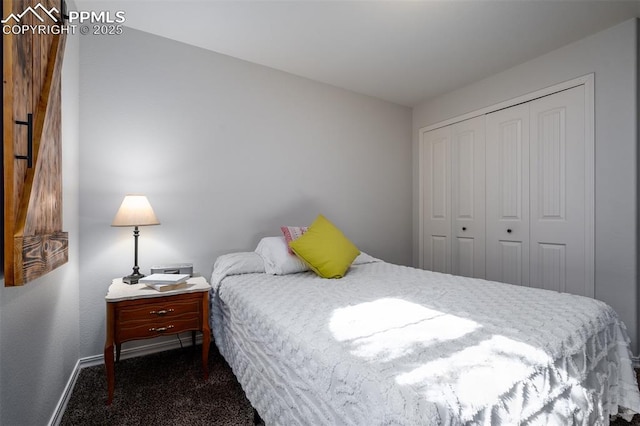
x: 558, y: 193
x: 436, y: 161
x: 468, y: 198
x: 507, y: 195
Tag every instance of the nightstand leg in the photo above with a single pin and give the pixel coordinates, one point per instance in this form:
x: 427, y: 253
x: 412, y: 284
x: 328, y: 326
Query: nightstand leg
x: 108, y: 352
x: 118, y: 346
x: 108, y: 364
x: 206, y: 341
x: 206, y: 335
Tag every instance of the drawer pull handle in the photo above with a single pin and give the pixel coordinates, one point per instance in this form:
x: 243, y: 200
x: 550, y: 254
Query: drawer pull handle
x: 161, y: 329
x: 161, y: 312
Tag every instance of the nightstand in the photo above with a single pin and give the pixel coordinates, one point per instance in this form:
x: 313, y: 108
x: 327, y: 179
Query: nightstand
x: 139, y: 312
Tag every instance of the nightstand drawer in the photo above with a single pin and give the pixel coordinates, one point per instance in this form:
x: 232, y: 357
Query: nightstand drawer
x: 158, y: 309
x: 148, y: 329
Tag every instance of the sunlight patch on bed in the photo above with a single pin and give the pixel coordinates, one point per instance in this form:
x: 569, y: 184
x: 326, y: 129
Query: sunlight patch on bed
x: 390, y: 328
x: 477, y: 375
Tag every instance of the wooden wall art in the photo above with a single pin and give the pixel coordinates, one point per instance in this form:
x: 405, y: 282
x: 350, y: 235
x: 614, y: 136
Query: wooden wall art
x: 34, y: 242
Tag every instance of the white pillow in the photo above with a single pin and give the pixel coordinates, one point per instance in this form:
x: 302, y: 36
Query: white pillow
x: 235, y: 264
x: 277, y: 259
x: 239, y: 263
x: 364, y: 258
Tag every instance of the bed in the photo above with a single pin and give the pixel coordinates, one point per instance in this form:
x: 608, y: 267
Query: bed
x: 394, y: 345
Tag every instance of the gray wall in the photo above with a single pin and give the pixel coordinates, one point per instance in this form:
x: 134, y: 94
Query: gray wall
x: 39, y: 322
x: 226, y: 151
x: 612, y: 56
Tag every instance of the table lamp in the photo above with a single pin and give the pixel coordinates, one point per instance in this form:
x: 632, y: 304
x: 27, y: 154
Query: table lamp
x: 135, y: 211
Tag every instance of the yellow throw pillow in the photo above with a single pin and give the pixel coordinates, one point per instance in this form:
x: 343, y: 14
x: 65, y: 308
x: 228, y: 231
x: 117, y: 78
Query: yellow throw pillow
x: 325, y: 249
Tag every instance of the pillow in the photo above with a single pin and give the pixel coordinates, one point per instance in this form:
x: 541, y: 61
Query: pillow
x: 276, y: 257
x: 239, y: 263
x: 235, y: 264
x: 365, y: 258
x: 291, y: 233
x: 325, y: 249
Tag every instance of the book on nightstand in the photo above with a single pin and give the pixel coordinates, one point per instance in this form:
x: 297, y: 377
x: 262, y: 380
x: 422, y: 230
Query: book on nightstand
x: 165, y: 282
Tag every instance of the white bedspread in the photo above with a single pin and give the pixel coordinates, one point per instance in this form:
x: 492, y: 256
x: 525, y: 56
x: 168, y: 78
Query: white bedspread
x: 392, y: 345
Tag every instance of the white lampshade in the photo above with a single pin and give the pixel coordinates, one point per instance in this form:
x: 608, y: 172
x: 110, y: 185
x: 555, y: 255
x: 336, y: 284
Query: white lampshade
x: 135, y: 210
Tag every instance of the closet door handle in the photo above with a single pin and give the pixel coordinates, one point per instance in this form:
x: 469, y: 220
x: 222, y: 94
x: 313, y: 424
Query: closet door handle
x: 464, y: 228
x: 508, y: 231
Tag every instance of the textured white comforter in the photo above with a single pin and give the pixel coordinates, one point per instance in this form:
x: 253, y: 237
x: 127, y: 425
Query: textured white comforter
x: 392, y: 345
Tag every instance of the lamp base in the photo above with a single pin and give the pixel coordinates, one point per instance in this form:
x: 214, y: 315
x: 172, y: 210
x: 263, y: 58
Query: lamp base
x: 132, y: 279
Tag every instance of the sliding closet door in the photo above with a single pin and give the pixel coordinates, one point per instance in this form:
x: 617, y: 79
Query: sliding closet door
x: 558, y: 193
x: 468, y: 198
x: 436, y: 161
x: 507, y: 190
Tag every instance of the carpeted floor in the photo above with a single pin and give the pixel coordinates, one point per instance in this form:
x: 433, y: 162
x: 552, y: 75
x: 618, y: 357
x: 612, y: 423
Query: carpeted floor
x: 167, y: 388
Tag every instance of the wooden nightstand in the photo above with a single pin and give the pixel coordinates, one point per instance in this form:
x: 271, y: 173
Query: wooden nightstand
x: 139, y: 312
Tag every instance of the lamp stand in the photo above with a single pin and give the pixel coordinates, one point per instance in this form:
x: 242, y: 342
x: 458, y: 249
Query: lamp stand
x: 136, y: 275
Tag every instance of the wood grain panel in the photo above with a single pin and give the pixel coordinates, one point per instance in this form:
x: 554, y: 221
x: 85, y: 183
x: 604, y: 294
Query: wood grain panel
x: 40, y: 212
x: 17, y: 102
x: 22, y: 67
x: 34, y: 242
x: 42, y: 253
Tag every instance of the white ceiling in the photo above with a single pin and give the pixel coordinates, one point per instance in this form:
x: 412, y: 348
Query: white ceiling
x: 400, y: 51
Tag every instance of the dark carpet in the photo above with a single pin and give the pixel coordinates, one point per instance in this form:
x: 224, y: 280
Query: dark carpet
x: 168, y: 388
x: 165, y: 388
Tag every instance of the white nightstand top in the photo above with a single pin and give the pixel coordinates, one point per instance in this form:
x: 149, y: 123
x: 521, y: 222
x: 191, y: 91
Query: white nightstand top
x: 120, y: 291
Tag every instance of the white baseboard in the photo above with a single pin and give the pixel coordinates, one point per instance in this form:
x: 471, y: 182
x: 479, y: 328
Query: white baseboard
x: 66, y: 394
x: 94, y: 360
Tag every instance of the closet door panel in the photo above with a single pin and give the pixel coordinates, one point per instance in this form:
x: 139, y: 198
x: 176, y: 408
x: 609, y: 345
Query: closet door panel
x: 438, y: 256
x: 466, y: 254
x: 507, y: 195
x: 558, y: 257
x: 436, y: 163
x: 468, y: 197
x: 511, y: 262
